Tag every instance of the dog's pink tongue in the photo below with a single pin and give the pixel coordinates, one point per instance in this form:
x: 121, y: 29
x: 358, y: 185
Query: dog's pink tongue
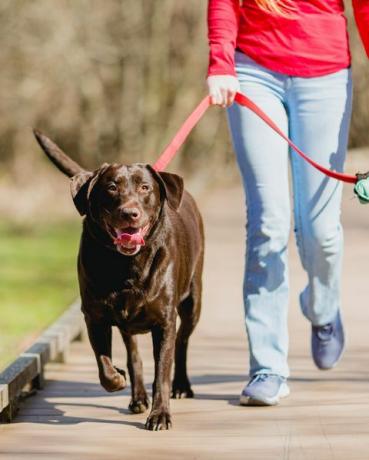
x: 134, y: 238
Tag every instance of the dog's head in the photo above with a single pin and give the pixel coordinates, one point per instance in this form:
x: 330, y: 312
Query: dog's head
x: 125, y: 201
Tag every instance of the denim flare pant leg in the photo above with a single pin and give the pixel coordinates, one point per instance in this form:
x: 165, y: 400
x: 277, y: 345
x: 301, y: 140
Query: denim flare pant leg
x: 315, y: 113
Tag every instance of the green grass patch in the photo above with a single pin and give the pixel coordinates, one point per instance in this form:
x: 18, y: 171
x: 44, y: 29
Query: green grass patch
x: 38, y: 280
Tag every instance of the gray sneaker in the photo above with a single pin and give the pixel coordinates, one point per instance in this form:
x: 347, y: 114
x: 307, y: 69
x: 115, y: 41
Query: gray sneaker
x: 327, y: 343
x: 264, y: 390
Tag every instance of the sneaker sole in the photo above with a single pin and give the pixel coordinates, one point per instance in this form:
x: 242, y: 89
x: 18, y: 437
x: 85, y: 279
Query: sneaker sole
x: 333, y: 365
x: 284, y: 391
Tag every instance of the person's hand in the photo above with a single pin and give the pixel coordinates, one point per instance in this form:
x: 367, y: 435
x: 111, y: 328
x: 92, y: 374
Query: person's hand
x: 222, y: 89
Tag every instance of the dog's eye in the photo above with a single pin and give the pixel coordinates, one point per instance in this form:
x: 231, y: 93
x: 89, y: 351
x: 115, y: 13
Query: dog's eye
x: 112, y: 187
x: 145, y: 187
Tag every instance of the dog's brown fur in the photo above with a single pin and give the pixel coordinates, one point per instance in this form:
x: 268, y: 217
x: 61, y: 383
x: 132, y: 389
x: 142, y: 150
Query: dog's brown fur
x: 142, y: 292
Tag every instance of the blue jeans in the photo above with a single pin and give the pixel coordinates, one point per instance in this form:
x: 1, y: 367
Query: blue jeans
x: 315, y: 112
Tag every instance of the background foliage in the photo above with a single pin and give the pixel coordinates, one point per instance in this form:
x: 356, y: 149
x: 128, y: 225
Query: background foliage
x: 113, y: 79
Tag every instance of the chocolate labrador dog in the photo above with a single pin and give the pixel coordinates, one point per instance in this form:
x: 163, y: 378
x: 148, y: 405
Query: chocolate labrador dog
x: 139, y: 266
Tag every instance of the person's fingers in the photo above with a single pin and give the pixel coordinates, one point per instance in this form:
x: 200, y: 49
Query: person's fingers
x: 230, y: 97
x: 222, y: 90
x: 217, y: 97
x: 213, y: 93
x: 212, y: 97
x: 223, y: 101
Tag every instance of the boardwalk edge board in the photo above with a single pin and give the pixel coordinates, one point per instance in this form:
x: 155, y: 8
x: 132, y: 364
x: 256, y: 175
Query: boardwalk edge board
x: 27, y: 371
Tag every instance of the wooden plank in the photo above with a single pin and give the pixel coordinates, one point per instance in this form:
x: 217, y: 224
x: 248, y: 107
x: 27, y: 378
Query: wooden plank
x: 28, y: 368
x: 325, y: 417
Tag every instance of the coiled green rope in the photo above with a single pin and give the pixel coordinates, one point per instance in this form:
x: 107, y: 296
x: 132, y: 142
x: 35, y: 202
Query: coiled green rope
x: 361, y: 189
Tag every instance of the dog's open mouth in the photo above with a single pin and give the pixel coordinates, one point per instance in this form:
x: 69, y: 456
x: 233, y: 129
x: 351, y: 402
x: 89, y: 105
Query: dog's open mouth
x: 129, y: 240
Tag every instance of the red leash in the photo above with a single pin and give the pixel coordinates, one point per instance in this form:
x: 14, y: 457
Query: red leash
x: 170, y: 151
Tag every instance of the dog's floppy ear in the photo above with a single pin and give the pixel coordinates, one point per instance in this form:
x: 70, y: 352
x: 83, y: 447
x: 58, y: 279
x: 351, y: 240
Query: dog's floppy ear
x: 172, y: 186
x: 81, y: 186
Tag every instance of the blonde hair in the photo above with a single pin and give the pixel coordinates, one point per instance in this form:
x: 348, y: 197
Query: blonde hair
x: 282, y: 7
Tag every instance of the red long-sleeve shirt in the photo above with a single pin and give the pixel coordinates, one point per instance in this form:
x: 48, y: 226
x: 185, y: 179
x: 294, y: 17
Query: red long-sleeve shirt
x: 311, y: 41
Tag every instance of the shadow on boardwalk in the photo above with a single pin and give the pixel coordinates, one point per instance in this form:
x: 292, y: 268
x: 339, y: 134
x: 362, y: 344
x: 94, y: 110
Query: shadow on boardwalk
x: 325, y: 417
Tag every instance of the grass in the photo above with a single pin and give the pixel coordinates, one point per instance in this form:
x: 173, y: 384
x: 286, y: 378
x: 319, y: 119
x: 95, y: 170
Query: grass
x: 38, y: 280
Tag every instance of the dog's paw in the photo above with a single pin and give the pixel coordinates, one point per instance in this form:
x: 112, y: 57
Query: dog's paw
x: 114, y: 381
x: 158, y: 420
x: 120, y: 371
x: 139, y: 406
x: 181, y: 390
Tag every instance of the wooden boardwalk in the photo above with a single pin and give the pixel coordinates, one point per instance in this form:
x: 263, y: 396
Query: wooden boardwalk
x: 326, y: 416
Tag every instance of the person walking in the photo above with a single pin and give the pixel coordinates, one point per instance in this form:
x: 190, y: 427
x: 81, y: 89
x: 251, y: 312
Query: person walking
x: 292, y: 58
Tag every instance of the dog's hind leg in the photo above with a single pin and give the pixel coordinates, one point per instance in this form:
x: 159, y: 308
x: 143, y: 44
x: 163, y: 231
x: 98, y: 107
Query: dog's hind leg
x: 189, y: 312
x: 140, y: 401
x: 99, y: 333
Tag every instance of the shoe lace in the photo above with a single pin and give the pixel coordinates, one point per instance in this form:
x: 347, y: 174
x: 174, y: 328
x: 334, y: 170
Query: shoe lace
x: 259, y: 378
x: 325, y: 332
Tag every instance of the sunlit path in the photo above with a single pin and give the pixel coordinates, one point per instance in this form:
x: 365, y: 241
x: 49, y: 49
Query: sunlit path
x: 326, y: 416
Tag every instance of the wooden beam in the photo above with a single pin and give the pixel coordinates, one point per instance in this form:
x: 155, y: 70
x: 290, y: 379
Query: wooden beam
x: 28, y: 369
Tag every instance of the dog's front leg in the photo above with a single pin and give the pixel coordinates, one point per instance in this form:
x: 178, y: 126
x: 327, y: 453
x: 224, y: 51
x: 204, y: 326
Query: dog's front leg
x: 140, y: 401
x: 99, y: 333
x: 163, y: 342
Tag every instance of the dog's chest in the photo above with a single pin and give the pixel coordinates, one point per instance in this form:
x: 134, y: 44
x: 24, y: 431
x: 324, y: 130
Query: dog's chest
x: 131, y: 310
x: 133, y: 292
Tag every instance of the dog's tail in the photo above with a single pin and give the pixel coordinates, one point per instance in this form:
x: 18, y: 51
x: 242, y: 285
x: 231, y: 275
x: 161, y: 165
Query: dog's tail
x: 60, y: 159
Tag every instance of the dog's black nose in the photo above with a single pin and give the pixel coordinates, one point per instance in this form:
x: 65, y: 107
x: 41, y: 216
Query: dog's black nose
x: 130, y: 213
